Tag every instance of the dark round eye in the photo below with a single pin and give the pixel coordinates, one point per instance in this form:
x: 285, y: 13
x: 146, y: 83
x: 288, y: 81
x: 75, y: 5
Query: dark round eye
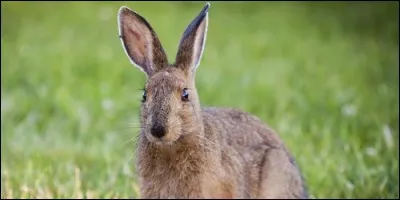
x: 144, y: 96
x: 185, y: 95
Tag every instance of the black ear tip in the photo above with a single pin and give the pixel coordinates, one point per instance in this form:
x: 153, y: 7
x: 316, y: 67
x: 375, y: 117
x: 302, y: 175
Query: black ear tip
x: 206, y: 7
x: 123, y: 9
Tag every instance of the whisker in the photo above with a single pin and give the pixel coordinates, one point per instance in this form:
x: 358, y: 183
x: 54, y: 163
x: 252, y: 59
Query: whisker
x: 133, y: 139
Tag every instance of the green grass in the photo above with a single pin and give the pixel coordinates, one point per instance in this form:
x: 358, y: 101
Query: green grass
x: 324, y: 75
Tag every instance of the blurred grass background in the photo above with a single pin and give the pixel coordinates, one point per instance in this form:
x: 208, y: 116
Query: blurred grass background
x: 324, y: 75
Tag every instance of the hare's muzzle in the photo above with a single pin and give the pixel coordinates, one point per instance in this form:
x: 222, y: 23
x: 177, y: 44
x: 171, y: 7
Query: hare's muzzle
x: 158, y: 130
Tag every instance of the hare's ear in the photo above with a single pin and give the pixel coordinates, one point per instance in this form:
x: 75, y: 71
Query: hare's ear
x: 192, y: 43
x: 140, y: 42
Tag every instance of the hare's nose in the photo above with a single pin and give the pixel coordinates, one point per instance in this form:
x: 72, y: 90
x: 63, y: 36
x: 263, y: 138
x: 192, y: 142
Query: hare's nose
x: 157, y: 130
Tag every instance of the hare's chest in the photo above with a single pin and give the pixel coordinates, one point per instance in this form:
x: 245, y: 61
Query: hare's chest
x: 167, y: 187
x: 216, y: 186
x: 171, y: 183
x: 218, y: 193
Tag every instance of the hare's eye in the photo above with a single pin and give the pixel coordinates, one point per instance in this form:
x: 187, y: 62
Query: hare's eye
x: 185, y: 95
x: 144, y: 96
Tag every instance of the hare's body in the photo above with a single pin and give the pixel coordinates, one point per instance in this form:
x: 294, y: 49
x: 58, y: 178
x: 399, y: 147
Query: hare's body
x: 236, y: 156
x: 188, y: 152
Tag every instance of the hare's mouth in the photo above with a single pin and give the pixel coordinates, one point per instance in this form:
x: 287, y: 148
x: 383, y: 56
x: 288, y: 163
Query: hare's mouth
x: 166, y: 140
x: 164, y: 143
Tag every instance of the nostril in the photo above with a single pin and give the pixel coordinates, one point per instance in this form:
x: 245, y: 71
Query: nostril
x: 158, y: 131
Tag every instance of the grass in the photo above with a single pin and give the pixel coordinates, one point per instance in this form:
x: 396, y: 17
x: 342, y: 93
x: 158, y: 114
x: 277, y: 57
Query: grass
x: 324, y: 75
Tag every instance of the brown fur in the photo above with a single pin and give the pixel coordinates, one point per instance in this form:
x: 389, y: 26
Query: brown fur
x: 205, y: 152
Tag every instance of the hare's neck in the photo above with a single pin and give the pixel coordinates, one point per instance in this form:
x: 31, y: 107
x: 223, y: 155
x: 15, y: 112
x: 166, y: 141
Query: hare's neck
x: 187, y: 159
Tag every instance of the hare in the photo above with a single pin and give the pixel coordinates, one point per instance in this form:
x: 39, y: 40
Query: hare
x: 186, y: 151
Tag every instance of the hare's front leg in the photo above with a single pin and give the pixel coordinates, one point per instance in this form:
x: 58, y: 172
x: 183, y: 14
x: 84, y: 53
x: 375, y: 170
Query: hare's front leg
x: 280, y: 178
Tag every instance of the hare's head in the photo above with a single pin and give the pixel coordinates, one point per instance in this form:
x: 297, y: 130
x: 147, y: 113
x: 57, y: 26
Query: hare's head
x: 170, y: 105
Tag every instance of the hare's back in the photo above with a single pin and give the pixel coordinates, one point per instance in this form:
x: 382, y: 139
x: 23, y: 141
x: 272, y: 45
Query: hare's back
x: 238, y: 128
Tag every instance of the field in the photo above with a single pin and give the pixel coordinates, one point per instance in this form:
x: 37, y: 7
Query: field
x: 324, y: 75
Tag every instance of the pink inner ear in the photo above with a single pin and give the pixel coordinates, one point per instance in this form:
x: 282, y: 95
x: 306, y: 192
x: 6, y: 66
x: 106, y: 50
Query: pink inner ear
x: 136, y: 47
x: 136, y: 34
